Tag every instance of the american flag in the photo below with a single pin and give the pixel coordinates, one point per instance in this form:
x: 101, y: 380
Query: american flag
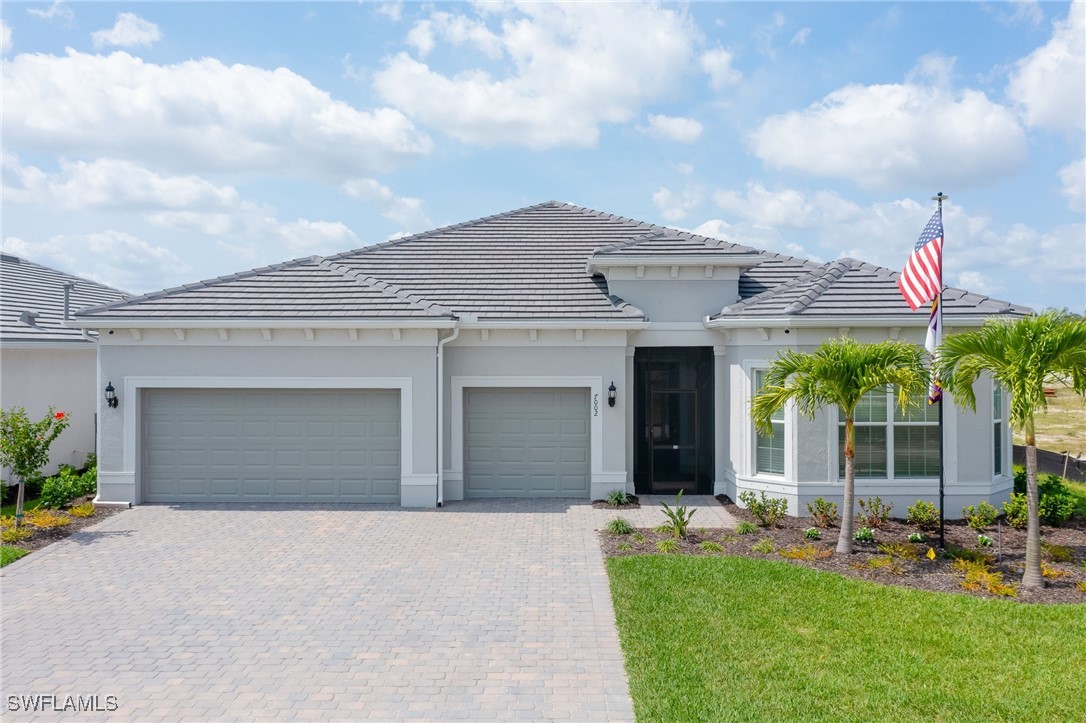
x: 922, y: 279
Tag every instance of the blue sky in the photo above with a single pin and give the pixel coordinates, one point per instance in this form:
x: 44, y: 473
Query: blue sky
x: 153, y: 144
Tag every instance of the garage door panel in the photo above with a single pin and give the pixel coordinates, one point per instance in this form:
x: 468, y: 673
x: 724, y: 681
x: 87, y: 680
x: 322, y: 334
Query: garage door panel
x: 271, y: 445
x: 526, y: 443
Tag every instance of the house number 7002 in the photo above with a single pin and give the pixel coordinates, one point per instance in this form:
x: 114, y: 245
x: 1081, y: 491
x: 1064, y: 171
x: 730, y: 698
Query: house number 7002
x: 595, y: 405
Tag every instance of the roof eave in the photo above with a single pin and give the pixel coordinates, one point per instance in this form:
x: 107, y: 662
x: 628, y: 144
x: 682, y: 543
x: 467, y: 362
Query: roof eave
x: 852, y: 322
x: 250, y: 323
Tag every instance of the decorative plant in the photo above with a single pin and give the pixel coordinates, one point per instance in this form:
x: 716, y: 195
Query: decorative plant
x: 24, y: 446
x: 984, y: 541
x: 619, y: 526
x: 924, y: 515
x: 1020, y: 355
x: 823, y: 512
x: 618, y: 498
x: 1016, y: 510
x: 768, y: 510
x: 839, y: 373
x: 710, y: 546
x: 764, y: 546
x: 916, y: 537
x: 813, y: 533
x: 746, y: 528
x: 679, y: 516
x: 671, y: 544
x: 874, y: 513
x: 980, y: 517
x: 864, y: 534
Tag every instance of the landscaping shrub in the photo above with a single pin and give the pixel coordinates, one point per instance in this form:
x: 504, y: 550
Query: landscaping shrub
x: 1056, y: 508
x: 45, y: 519
x: 746, y: 528
x: 980, y: 517
x: 1081, y: 586
x: 619, y: 498
x: 15, y: 534
x: 619, y: 526
x: 1056, y: 553
x: 669, y: 545
x: 60, y: 489
x: 806, y: 551
x: 767, y: 510
x: 1016, y: 510
x: 812, y: 533
x: 638, y: 537
x: 823, y: 512
x: 864, y: 534
x: 873, y: 512
x: 923, y: 515
x: 764, y: 546
x: 916, y: 537
x: 84, y: 510
x: 886, y: 563
x: 1051, y: 573
x: 984, y: 541
x: 1019, y: 479
x: 974, y: 556
x: 624, y: 547
x: 710, y: 546
x: 678, y: 517
x: 900, y: 550
x: 87, y: 483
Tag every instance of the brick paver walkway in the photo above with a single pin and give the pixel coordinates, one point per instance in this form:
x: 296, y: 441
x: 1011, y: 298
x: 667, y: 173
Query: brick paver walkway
x: 495, y: 610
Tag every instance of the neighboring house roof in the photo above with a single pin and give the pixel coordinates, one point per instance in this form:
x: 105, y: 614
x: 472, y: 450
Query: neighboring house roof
x: 32, y: 301
x: 527, y: 265
x: 847, y: 287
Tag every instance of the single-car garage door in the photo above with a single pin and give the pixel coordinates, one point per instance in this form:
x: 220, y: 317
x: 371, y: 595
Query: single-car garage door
x: 265, y: 445
x: 526, y: 443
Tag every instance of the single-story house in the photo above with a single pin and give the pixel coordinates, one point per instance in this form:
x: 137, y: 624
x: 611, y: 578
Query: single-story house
x: 551, y: 351
x: 42, y: 361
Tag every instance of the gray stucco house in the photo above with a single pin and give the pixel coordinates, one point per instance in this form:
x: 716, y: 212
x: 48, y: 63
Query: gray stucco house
x: 44, y: 363
x: 551, y: 351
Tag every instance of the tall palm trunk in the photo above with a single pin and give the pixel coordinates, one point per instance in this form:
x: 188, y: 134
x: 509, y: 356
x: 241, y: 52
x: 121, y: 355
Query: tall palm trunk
x: 1031, y: 577
x: 844, y: 541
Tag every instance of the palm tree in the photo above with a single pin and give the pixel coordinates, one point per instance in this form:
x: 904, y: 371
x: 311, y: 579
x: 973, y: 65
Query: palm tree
x: 1019, y: 354
x: 839, y: 372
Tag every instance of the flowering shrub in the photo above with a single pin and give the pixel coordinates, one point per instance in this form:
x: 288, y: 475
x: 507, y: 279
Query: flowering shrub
x: 24, y: 445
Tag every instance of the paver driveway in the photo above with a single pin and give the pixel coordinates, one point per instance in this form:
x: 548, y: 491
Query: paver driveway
x: 495, y: 610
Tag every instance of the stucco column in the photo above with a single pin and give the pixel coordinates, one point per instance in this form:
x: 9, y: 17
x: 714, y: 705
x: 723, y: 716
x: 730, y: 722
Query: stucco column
x: 720, y: 421
x: 630, y: 431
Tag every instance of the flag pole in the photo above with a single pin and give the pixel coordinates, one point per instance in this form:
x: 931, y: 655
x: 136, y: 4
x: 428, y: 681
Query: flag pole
x: 939, y: 198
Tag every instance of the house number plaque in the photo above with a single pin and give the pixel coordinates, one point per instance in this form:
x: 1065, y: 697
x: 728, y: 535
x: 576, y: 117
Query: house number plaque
x: 595, y: 405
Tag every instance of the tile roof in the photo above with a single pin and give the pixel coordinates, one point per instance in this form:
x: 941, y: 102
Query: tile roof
x: 523, y: 265
x: 32, y: 301
x: 850, y: 288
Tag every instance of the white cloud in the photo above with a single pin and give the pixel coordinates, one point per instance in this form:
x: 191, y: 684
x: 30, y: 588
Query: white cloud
x: 684, y: 168
x: 676, y: 206
x: 800, y: 38
x: 196, y: 116
x: 896, y: 135
x: 978, y: 283
x: 1027, y: 13
x: 458, y: 30
x: 110, y: 257
x: 130, y: 30
x: 405, y: 211
x: 1073, y: 178
x: 787, y: 208
x: 316, y: 237
x: 680, y: 130
x: 5, y: 38
x: 393, y: 11
x: 1048, y: 84
x: 571, y: 68
x: 57, y: 10
x: 717, y: 64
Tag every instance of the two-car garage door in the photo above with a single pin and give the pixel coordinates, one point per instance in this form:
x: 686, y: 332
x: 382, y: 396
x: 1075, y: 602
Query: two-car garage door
x: 271, y: 445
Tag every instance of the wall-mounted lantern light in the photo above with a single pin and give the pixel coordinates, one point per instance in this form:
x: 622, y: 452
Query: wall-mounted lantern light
x: 111, y: 396
x: 612, y: 395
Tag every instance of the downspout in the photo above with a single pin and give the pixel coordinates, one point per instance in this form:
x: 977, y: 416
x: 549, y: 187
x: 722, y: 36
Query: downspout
x: 441, y: 414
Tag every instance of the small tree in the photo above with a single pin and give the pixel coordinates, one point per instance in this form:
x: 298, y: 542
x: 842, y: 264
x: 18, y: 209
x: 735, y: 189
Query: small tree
x: 24, y: 446
x: 1020, y: 355
x: 839, y: 372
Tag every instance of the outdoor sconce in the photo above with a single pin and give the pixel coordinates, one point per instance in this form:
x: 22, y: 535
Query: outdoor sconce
x: 111, y: 396
x: 612, y: 395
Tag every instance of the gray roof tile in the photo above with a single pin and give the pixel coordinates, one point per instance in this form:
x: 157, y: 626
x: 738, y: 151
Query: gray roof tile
x: 32, y: 301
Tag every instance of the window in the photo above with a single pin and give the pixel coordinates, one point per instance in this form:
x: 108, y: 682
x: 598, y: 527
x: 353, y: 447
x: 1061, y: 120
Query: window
x: 769, y: 449
x: 890, y: 444
x: 997, y: 427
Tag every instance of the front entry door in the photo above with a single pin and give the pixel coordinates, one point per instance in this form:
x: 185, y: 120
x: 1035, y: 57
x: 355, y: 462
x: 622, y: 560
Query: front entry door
x: 673, y: 420
x: 674, y: 440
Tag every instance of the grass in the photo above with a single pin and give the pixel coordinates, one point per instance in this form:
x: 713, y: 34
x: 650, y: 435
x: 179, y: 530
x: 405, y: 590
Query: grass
x: 1063, y: 427
x: 9, y: 510
x: 9, y: 554
x: 1078, y: 490
x: 727, y: 638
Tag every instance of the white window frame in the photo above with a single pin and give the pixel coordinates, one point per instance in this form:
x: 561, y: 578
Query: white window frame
x: 889, y: 425
x: 999, y: 428
x: 752, y: 435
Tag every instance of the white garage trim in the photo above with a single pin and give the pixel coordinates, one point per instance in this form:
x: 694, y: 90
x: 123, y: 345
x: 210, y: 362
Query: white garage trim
x: 133, y: 386
x: 596, y: 400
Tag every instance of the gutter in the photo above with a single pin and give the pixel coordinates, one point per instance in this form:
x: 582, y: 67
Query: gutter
x: 441, y: 414
x: 853, y: 322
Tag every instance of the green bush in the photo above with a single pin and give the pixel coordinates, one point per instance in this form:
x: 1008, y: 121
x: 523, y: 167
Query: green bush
x: 764, y: 546
x: 923, y: 515
x: 1016, y: 510
x: 678, y: 516
x: 1019, y: 479
x: 864, y: 534
x: 619, y: 526
x: 1056, y: 509
x: 767, y: 510
x: 710, y: 546
x: 980, y: 517
x: 87, y: 483
x: 812, y: 533
x: 874, y: 513
x: 618, y: 498
x: 823, y: 512
x: 746, y: 528
x: 916, y: 537
x: 669, y: 545
x: 60, y: 490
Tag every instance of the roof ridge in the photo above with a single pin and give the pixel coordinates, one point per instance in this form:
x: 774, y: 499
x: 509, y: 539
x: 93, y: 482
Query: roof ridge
x: 789, y: 285
x: 820, y: 280
x: 385, y: 288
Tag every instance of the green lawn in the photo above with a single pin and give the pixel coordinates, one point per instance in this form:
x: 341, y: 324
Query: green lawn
x: 9, y: 554
x: 724, y: 638
x: 1078, y: 489
x: 9, y: 510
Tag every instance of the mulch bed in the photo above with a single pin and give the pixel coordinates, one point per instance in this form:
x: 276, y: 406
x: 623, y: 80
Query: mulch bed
x: 633, y: 504
x: 1007, y: 550
x: 45, y: 537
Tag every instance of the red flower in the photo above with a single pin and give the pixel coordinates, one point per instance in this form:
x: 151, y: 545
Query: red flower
x: 59, y: 415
